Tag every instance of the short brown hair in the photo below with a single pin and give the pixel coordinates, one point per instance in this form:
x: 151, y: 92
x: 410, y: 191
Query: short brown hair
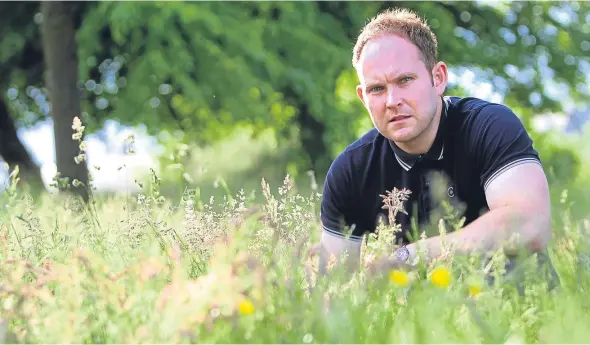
x: 401, y: 22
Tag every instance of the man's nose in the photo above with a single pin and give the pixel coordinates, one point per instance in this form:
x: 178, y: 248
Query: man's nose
x: 393, y: 97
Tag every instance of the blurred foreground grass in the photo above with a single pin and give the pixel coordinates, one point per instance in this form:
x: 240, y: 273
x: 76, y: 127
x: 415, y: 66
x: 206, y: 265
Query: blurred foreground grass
x: 240, y: 267
x: 145, y: 269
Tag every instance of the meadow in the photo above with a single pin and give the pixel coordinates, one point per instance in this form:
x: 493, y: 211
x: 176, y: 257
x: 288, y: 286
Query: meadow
x: 241, y: 268
x: 217, y: 242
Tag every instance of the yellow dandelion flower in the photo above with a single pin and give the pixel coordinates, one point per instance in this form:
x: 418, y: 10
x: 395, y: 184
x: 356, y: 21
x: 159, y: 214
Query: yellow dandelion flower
x: 399, y: 278
x: 441, y: 277
x: 245, y: 307
x: 474, y: 290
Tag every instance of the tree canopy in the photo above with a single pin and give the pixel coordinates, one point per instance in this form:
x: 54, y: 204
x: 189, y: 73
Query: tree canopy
x: 206, y: 67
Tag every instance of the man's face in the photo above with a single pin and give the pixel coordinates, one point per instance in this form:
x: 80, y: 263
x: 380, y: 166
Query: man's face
x: 400, y: 93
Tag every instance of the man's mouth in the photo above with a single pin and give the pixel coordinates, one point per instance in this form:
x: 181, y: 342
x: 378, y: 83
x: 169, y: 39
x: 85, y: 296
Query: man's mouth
x: 399, y: 118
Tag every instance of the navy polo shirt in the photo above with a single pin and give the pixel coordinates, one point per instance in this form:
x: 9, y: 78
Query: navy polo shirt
x: 476, y: 141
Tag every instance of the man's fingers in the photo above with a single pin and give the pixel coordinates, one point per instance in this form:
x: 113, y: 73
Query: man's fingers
x: 381, y: 264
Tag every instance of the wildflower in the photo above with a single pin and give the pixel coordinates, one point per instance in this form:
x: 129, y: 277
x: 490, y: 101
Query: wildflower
x: 77, y: 125
x: 80, y: 158
x: 474, y: 290
x: 245, y: 307
x: 399, y: 278
x: 441, y: 277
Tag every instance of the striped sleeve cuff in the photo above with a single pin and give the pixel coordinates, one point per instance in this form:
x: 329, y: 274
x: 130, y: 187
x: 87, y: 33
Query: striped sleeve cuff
x: 340, y: 235
x: 509, y: 166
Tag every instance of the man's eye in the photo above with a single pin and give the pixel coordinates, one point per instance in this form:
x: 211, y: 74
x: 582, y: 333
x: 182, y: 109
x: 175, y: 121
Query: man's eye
x: 406, y: 79
x: 376, y: 88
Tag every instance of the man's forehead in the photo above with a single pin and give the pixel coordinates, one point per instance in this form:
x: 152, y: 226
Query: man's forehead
x: 389, y: 44
x: 390, y: 55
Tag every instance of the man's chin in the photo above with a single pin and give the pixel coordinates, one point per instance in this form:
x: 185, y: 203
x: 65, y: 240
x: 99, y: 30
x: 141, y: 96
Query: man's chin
x: 401, y: 136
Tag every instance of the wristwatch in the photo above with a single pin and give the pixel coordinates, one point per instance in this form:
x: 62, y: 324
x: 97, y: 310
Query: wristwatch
x: 402, y: 254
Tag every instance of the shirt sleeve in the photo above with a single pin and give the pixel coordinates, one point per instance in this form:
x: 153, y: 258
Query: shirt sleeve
x: 501, y: 142
x: 336, y: 210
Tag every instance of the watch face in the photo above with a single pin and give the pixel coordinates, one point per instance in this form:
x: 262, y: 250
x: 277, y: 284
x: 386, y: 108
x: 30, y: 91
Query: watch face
x: 402, y: 253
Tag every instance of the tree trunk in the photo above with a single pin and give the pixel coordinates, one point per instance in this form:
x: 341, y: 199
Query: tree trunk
x: 312, y: 139
x: 60, y: 53
x: 14, y: 152
x: 311, y: 133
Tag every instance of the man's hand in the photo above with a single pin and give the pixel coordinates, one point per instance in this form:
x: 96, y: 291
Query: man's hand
x: 430, y: 258
x: 385, y: 264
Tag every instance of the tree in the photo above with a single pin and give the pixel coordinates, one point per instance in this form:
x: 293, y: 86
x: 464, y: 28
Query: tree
x: 21, y: 80
x: 19, y: 61
x: 14, y: 152
x: 60, y: 54
x: 207, y: 67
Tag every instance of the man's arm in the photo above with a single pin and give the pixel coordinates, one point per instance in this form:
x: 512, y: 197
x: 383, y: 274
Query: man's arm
x: 519, y: 205
x: 514, y: 183
x: 332, y: 247
x: 336, y: 213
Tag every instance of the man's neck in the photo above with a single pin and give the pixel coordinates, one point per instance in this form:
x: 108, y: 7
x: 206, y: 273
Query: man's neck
x: 424, y: 141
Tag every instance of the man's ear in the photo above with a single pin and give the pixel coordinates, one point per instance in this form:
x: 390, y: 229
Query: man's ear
x: 440, y: 77
x: 359, y: 93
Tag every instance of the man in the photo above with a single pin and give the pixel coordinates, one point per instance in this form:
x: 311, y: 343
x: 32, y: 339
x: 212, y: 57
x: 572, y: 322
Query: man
x: 481, y: 147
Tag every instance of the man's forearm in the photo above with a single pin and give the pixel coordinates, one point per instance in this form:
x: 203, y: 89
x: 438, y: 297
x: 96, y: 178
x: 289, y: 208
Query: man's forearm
x: 331, y: 249
x: 500, y: 228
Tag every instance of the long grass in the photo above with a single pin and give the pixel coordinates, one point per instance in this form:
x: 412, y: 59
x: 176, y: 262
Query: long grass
x: 143, y: 270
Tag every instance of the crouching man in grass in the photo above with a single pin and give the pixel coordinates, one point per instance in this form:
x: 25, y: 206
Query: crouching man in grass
x: 481, y: 148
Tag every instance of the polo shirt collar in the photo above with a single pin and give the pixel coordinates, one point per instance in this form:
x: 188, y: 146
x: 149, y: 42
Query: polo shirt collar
x: 436, y: 152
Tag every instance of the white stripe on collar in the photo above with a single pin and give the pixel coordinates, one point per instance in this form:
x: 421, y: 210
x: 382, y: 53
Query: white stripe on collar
x: 402, y: 163
x: 405, y: 165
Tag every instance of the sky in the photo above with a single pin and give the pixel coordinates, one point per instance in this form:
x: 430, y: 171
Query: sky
x: 106, y: 149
